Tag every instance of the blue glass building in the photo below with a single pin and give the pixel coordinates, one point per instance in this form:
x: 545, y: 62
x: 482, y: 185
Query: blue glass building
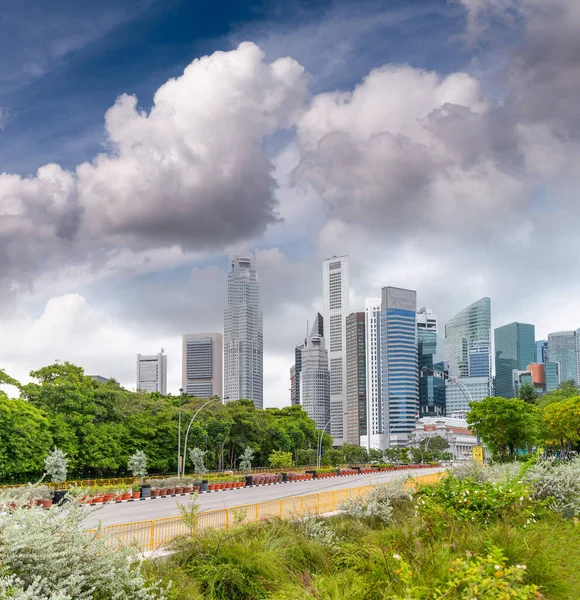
x: 541, y: 351
x: 431, y: 388
x: 399, y: 364
x: 515, y: 349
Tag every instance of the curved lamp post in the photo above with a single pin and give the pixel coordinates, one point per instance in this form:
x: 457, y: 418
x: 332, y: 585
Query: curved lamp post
x: 319, y: 446
x: 189, y: 427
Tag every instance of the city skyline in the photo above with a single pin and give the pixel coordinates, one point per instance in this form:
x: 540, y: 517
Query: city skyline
x: 141, y: 147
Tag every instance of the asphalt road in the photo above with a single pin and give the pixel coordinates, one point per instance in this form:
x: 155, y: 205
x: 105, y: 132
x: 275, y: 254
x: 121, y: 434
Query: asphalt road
x: 167, y: 507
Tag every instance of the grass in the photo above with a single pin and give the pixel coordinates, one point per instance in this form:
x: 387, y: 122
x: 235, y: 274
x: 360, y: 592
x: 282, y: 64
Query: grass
x: 280, y: 561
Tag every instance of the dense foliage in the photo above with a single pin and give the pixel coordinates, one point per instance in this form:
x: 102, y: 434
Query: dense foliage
x: 100, y: 425
x: 482, y: 533
x: 510, y: 427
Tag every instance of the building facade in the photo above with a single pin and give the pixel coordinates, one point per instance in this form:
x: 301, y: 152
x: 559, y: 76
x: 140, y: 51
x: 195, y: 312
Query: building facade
x: 335, y: 295
x: 312, y: 376
x: 373, y: 436
x: 562, y: 347
x: 399, y: 364
x: 202, y: 364
x: 356, y: 392
x: 431, y: 387
x: 467, y: 340
x: 459, y: 391
x: 243, y: 334
x: 454, y: 431
x: 541, y: 351
x: 152, y: 372
x: 515, y: 349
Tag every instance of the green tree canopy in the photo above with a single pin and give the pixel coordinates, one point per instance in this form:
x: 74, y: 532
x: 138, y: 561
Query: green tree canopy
x: 505, y: 425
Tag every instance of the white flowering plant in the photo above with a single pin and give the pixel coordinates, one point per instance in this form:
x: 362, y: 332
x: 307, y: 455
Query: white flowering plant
x: 378, y: 503
x: 49, y: 555
x: 558, y: 484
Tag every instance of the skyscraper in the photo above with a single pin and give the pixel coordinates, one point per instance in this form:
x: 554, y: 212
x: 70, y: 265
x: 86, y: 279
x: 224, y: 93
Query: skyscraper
x: 467, y: 330
x: 431, y: 387
x: 312, y: 376
x: 373, y: 374
x: 335, y: 295
x: 152, y: 372
x: 541, y: 351
x: 399, y: 364
x: 515, y: 349
x: 356, y: 392
x: 202, y: 364
x: 562, y: 349
x: 243, y: 335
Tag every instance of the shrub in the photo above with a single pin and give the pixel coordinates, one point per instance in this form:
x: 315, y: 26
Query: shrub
x: 56, y: 465
x: 281, y: 460
x: 138, y: 464
x: 48, y: 555
x: 481, y: 501
x: 378, y: 503
x: 246, y: 461
x: 196, y: 456
x: 558, y: 484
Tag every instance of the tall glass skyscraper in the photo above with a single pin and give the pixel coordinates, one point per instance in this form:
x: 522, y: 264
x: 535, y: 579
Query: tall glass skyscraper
x: 468, y: 341
x: 399, y: 364
x: 562, y: 349
x: 515, y: 349
x: 373, y: 375
x: 243, y: 334
x: 541, y: 351
x: 431, y: 388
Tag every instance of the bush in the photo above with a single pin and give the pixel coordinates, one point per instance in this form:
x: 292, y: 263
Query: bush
x: 137, y: 464
x: 378, y: 504
x: 484, y: 502
x: 281, y: 460
x: 48, y: 555
x: 558, y: 484
x: 56, y: 465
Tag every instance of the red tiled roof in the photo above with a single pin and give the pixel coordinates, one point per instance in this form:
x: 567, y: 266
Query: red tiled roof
x: 459, y: 430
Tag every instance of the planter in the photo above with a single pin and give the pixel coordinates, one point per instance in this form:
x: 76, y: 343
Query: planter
x: 145, y: 490
x: 127, y: 496
x: 170, y: 491
x: 163, y: 492
x: 179, y: 490
x: 154, y: 493
x: 59, y: 496
x: 44, y: 502
x: 196, y: 488
x: 136, y: 495
x: 119, y: 498
x: 203, y: 485
x: 188, y: 489
x: 98, y: 499
x: 211, y: 487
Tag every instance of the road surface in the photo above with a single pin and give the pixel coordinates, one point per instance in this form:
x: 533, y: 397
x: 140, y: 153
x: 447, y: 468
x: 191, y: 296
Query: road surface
x: 167, y: 507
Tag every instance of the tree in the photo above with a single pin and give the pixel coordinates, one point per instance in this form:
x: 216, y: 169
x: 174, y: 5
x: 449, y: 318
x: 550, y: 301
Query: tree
x: 137, y: 464
x: 354, y: 454
x: 281, y: 460
x: 562, y: 420
x: 435, y: 443
x: 246, y: 461
x: 25, y: 440
x: 528, y: 394
x: 196, y: 456
x: 506, y: 426
x: 56, y: 465
x: 375, y: 455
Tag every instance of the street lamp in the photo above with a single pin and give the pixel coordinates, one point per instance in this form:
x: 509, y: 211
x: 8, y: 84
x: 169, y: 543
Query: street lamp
x: 189, y: 427
x: 319, y: 445
x: 179, y: 435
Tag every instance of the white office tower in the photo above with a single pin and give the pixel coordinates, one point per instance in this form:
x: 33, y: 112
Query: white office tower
x: 335, y: 294
x: 373, y: 378
x: 315, y: 376
x: 152, y: 372
x: 202, y: 364
x: 243, y: 334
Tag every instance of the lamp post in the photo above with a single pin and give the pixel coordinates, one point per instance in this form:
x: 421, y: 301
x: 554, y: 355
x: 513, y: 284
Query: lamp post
x: 189, y: 427
x: 179, y: 435
x: 319, y: 445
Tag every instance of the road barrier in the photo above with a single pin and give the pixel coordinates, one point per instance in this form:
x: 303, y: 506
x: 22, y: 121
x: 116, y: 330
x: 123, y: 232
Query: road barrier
x: 157, y: 533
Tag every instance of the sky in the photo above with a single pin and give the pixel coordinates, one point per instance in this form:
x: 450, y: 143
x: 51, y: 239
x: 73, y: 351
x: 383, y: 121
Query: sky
x: 144, y: 142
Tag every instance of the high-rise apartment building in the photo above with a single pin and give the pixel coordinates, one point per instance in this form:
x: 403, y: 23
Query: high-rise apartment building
x: 202, y: 364
x: 152, y: 372
x: 541, y: 351
x: 356, y: 392
x: 468, y: 335
x: 515, y: 349
x: 399, y: 364
x: 562, y: 349
x: 335, y: 295
x: 243, y: 334
x: 431, y: 387
x: 374, y: 434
